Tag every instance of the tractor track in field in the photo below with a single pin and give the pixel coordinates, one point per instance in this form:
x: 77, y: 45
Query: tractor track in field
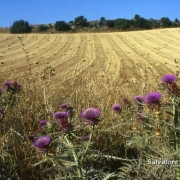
x: 128, y: 61
x: 144, y: 57
x: 94, y: 57
x: 70, y: 60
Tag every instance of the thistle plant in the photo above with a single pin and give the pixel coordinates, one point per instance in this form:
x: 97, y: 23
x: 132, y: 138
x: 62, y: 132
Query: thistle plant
x: 8, y: 94
x: 169, y: 84
x: 42, y: 143
x: 139, y: 99
x: 71, y: 143
x: 116, y: 108
x: 153, y: 102
x: 91, y: 115
x: 76, y: 144
x: 152, y: 115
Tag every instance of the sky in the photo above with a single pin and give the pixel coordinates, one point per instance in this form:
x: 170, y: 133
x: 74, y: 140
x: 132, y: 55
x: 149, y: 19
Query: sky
x: 50, y: 11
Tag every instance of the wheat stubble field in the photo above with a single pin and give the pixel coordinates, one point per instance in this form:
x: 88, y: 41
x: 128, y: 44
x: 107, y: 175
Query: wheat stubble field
x: 122, y: 57
x: 126, y: 56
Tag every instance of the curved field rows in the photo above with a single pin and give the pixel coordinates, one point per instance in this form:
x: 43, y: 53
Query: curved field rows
x: 116, y: 58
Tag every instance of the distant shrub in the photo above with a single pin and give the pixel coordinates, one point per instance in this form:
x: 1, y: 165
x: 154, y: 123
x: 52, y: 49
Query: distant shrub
x: 20, y: 26
x: 81, y: 21
x: 165, y: 22
x: 42, y: 28
x: 62, y: 26
x: 110, y: 23
x: 122, y: 24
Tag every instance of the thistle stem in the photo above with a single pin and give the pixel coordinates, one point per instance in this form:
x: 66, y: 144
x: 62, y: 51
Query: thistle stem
x: 176, y: 138
x: 75, y: 157
x: 87, y: 147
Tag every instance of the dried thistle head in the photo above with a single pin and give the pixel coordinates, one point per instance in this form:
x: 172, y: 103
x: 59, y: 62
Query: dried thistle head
x: 173, y: 87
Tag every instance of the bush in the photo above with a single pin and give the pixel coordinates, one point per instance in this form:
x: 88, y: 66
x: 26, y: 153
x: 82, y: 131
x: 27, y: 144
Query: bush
x: 166, y: 22
x: 20, y: 26
x: 81, y: 21
x: 42, y: 28
x: 110, y: 23
x: 62, y: 26
x: 122, y: 24
x: 142, y: 23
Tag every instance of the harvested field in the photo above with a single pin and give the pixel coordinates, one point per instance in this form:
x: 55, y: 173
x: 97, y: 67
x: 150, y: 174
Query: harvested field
x: 122, y: 58
x: 100, y: 70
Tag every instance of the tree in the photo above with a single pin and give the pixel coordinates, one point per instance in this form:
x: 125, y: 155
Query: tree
x: 136, y: 17
x: 42, y: 28
x: 102, y: 21
x: 176, y: 20
x: 166, y: 22
x: 71, y: 23
x: 122, y: 23
x: 142, y: 23
x: 20, y: 26
x: 110, y: 23
x: 62, y: 26
x: 81, y: 21
x: 93, y: 24
x: 154, y: 23
x: 176, y: 23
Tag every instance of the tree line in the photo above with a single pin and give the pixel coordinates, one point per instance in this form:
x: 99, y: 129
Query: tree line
x: 137, y: 22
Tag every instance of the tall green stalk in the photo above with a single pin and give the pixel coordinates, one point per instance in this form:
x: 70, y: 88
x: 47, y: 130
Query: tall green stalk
x: 88, y: 144
x: 75, y: 157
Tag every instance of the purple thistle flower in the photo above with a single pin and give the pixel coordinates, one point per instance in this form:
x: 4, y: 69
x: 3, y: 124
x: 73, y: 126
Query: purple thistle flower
x: 84, y: 138
x: 91, y: 115
x: 64, y: 105
x: 8, y: 83
x: 13, y: 86
x: 42, y: 123
x: 42, y: 143
x: 169, y: 78
x: 67, y: 108
x: 139, y: 99
x: 116, y: 108
x: 153, y: 98
x: 61, y: 117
